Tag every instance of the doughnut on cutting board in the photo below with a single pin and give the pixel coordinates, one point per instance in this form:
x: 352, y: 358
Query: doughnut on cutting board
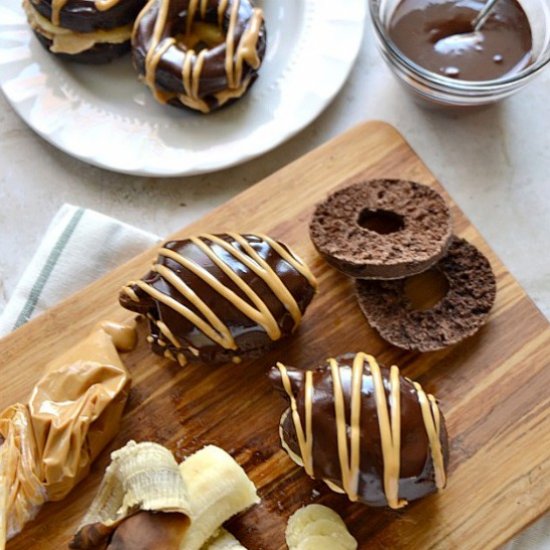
x: 493, y: 387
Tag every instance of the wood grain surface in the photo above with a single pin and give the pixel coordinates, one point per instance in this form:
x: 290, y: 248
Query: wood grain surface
x: 493, y: 387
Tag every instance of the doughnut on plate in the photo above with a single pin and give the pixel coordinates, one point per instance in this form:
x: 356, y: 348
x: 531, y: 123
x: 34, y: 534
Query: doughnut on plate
x: 107, y: 104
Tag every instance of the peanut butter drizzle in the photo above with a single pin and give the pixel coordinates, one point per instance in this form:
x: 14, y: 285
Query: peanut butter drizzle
x: 262, y: 315
x: 215, y: 329
x: 191, y: 73
x: 389, y: 425
x: 432, y: 421
x: 390, y: 429
x: 246, y: 50
x: 222, y: 8
x: 230, y: 44
x: 104, y: 5
x: 124, y: 336
x: 193, y: 64
x: 260, y: 267
x: 57, y: 6
x: 168, y: 334
x: 305, y: 440
x: 153, y: 56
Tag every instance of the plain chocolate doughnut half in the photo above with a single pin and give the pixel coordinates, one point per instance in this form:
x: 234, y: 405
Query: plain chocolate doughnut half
x: 382, y: 228
x: 199, y: 54
x: 221, y: 298
x: 470, y: 295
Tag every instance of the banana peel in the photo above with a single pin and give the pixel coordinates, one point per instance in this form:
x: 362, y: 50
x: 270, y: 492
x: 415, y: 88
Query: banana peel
x: 147, y: 501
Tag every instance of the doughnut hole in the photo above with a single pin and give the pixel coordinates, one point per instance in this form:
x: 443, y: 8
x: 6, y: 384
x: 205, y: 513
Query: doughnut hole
x: 425, y: 290
x: 202, y: 35
x: 380, y: 221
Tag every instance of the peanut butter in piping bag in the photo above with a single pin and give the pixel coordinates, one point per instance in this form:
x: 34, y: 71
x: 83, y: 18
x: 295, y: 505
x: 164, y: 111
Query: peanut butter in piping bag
x: 48, y: 445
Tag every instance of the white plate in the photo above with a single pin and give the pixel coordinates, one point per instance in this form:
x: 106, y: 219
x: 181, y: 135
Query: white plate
x: 104, y: 116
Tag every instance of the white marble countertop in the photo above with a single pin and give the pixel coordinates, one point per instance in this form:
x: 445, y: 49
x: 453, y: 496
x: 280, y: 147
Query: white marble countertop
x: 495, y: 163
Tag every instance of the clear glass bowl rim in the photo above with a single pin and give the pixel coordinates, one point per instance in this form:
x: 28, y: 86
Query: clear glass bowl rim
x: 446, y: 82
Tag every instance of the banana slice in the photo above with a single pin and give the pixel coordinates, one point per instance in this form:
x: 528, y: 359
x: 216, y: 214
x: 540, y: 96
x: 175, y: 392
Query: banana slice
x: 218, y: 489
x: 223, y: 540
x: 317, y: 527
x: 141, y: 476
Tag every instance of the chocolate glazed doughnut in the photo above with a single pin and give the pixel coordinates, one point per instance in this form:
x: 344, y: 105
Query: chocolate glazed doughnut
x: 87, y: 31
x: 363, y: 429
x: 221, y: 298
x: 199, y: 54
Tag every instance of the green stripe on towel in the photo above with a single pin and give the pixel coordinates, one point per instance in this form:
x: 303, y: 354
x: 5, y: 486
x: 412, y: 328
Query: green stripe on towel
x: 46, y: 271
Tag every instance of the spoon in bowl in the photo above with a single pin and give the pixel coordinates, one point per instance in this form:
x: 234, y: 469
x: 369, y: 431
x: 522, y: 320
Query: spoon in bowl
x: 455, y: 44
x: 483, y: 15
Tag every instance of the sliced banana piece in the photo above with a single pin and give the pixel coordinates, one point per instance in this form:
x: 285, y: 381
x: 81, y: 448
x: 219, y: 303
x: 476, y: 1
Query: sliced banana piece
x: 218, y: 488
x: 318, y: 542
x: 141, y: 476
x: 223, y: 540
x: 316, y: 527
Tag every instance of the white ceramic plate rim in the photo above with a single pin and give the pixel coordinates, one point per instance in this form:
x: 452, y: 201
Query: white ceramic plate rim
x: 58, y: 108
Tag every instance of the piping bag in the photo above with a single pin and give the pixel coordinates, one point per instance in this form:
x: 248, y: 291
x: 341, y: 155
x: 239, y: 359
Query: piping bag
x: 48, y: 445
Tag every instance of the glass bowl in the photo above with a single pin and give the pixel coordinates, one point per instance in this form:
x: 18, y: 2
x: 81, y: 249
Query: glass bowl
x: 444, y: 91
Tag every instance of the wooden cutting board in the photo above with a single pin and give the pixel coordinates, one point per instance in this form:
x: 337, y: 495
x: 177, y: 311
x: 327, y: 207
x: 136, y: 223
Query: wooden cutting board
x: 493, y: 388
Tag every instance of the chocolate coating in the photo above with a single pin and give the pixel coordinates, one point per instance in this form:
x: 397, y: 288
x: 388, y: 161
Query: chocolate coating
x: 83, y: 15
x: 213, y: 78
x: 251, y: 338
x: 417, y: 477
x: 382, y: 229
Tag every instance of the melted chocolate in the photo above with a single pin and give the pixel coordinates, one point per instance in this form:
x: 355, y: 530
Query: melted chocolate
x: 437, y: 35
x: 416, y: 473
x: 250, y: 338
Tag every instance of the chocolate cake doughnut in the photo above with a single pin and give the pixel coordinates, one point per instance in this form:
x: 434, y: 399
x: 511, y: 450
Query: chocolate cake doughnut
x: 199, y: 54
x: 459, y: 314
x: 221, y: 298
x: 87, y: 31
x: 363, y: 429
x: 382, y: 229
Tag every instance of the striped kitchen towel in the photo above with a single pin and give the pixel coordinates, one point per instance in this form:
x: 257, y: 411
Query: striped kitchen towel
x: 79, y: 246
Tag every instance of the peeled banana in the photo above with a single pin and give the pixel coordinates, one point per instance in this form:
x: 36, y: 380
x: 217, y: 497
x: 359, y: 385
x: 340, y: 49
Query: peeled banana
x: 223, y: 540
x: 218, y: 489
x: 142, y: 476
x: 317, y: 527
x: 144, y: 479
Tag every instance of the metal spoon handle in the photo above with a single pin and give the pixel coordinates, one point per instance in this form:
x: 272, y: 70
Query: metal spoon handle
x: 483, y: 15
